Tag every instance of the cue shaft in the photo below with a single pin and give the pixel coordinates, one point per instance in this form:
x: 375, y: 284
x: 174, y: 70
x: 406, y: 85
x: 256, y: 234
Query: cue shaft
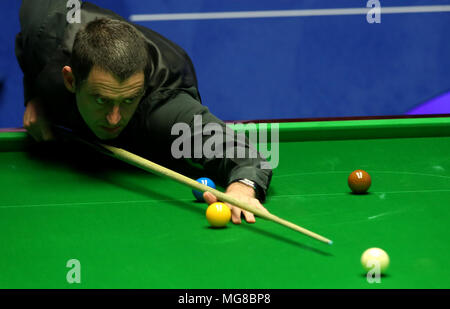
x: 161, y: 170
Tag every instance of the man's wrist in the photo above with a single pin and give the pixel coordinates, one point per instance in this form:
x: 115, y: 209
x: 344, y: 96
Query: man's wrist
x: 242, y: 188
x: 251, y: 185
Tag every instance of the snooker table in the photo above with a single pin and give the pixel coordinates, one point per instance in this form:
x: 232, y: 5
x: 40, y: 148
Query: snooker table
x: 131, y: 229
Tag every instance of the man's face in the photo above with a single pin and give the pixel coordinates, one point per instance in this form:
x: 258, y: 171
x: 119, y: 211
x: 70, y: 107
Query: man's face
x: 106, y: 104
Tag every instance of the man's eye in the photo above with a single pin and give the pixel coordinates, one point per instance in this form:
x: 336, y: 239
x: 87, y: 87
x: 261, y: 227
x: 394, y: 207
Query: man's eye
x: 100, y: 101
x: 129, y: 101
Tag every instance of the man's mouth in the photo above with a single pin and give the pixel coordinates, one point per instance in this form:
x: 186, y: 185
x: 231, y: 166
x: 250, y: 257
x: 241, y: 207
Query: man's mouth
x: 111, y: 130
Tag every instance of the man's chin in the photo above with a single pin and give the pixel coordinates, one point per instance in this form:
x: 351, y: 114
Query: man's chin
x: 106, y: 135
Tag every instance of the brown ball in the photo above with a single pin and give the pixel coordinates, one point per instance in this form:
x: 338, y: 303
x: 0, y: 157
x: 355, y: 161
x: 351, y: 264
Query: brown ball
x: 359, y: 181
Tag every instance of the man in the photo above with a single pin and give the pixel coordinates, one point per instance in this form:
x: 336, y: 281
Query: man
x: 110, y: 80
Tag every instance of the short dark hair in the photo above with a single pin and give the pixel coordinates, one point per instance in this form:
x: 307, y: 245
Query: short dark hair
x: 114, y: 46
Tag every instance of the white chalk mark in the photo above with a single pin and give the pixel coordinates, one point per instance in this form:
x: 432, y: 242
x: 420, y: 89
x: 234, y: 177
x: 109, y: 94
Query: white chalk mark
x: 373, y: 217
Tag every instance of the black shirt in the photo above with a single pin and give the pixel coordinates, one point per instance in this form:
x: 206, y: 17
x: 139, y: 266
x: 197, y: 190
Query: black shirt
x: 43, y: 48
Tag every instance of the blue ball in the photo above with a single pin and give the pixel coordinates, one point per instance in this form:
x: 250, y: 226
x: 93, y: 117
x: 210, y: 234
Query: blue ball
x: 207, y: 182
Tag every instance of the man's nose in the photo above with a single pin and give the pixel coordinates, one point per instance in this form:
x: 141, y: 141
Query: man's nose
x: 114, y: 116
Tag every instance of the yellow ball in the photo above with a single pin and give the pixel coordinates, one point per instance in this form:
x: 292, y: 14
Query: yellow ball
x: 374, y: 257
x: 218, y: 214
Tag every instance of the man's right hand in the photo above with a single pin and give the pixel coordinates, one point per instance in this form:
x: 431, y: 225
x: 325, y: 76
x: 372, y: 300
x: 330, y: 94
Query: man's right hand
x: 36, y: 123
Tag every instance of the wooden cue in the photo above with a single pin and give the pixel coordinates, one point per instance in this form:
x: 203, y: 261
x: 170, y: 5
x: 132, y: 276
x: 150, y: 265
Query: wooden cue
x: 160, y: 170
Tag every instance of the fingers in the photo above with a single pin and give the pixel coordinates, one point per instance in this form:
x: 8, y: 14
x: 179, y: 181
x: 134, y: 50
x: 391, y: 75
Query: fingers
x: 40, y: 132
x: 209, y: 198
x: 28, y: 119
x: 236, y: 215
x: 249, y: 217
x: 47, y: 134
x: 36, y: 124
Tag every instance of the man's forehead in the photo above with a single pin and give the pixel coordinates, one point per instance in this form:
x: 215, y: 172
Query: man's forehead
x: 102, y: 81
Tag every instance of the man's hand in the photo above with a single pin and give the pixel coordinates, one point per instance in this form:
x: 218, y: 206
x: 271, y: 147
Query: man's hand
x: 242, y: 192
x: 35, y: 122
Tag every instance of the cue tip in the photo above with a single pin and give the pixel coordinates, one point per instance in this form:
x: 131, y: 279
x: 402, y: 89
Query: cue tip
x: 330, y: 242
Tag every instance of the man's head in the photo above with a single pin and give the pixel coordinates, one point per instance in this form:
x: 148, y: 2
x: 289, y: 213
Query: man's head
x: 108, y: 73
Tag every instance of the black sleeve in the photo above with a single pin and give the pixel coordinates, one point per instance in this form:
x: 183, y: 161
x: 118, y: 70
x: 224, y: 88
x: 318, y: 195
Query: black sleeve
x: 28, y: 76
x: 181, y: 108
x: 37, y: 40
x: 21, y: 59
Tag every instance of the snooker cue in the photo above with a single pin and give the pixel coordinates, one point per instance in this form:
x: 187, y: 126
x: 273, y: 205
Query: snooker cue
x: 163, y: 171
x: 150, y: 166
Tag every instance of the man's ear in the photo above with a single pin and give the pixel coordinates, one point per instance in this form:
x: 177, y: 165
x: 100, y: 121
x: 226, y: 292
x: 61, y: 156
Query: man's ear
x: 69, y: 79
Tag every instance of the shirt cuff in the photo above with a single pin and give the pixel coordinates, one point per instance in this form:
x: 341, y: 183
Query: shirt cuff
x: 259, y: 192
